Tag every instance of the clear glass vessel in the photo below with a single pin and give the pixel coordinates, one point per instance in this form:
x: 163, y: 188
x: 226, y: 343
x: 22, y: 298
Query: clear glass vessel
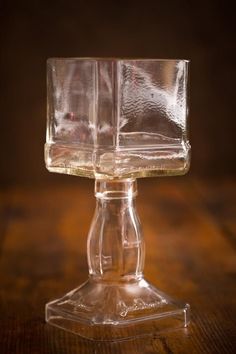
x: 115, y: 120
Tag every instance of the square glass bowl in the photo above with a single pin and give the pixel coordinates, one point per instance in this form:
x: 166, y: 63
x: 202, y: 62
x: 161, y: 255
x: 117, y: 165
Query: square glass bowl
x: 117, y: 118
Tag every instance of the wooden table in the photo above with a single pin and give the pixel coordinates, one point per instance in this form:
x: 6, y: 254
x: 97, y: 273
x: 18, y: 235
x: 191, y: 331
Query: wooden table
x: 190, y: 233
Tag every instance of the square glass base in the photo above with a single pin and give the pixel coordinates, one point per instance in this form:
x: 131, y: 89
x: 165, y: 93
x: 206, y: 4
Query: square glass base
x: 112, y: 311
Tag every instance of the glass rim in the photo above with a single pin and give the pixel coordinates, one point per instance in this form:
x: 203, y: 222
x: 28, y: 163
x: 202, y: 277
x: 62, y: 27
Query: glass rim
x: 115, y: 59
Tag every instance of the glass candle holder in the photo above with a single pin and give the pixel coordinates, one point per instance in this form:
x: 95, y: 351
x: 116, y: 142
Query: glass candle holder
x: 115, y: 120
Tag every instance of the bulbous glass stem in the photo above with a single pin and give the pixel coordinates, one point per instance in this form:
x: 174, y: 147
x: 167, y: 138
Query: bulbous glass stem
x: 116, y: 301
x: 115, y: 246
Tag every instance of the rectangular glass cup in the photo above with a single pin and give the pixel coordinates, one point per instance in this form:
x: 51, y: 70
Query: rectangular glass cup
x: 117, y: 118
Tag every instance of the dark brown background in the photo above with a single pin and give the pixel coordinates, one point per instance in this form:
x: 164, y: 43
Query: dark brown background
x: 32, y: 31
x: 189, y: 222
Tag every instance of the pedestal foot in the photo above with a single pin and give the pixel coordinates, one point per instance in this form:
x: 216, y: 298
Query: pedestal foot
x: 111, y: 311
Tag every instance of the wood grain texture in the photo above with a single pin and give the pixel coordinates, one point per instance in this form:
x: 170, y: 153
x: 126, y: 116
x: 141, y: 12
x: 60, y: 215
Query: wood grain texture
x: 190, y: 234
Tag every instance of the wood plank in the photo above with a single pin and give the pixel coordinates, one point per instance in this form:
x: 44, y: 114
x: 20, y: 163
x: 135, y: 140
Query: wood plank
x: 189, y: 255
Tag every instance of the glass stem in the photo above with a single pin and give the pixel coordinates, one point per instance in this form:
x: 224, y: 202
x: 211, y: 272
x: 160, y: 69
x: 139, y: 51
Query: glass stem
x: 115, y: 247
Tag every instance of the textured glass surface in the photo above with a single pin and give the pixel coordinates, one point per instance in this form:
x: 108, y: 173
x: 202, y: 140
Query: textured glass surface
x: 117, y: 117
x: 115, y: 120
